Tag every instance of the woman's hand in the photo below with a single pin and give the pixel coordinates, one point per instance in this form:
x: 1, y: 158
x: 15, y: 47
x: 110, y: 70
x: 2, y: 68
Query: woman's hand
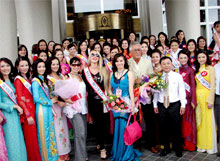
x: 30, y: 121
x: 61, y: 104
x: 1, y: 119
x: 193, y: 106
x: 69, y: 101
x: 210, y: 106
x: 19, y: 109
x: 54, y: 99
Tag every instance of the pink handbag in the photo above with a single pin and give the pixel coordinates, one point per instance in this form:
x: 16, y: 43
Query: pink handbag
x: 133, y: 132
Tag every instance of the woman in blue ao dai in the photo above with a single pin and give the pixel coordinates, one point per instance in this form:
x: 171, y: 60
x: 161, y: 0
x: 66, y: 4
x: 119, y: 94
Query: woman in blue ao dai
x: 121, y: 81
x: 44, y: 114
x: 14, y: 138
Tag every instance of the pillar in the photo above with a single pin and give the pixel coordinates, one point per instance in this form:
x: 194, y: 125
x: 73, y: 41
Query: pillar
x: 144, y: 17
x: 34, y: 21
x: 184, y: 15
x: 156, y: 16
x: 8, y: 30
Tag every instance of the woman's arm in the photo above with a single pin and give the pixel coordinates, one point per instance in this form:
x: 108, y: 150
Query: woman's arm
x: 211, y: 96
x: 216, y: 40
x: 131, y: 89
x: 109, y: 86
x: 20, y: 98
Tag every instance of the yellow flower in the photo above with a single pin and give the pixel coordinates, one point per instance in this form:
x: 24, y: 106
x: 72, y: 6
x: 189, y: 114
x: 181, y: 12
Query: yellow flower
x: 111, y: 98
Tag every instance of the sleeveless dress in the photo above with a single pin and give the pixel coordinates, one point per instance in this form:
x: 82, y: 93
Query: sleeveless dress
x: 120, y: 151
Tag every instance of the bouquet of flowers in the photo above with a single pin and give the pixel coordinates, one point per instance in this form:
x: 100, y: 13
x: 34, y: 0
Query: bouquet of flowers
x: 118, y: 104
x: 150, y: 83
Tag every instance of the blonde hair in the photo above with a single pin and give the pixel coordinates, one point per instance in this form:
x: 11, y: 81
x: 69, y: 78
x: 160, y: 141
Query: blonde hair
x: 102, y: 70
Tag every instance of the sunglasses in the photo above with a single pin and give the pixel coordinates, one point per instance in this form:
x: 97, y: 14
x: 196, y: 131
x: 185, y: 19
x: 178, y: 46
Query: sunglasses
x: 75, y: 65
x: 97, y: 55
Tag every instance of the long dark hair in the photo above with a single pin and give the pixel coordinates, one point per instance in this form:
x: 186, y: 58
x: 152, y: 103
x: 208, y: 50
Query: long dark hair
x: 121, y: 45
x: 79, y: 50
x: 11, y: 74
x: 177, y: 34
x: 18, y: 60
x: 35, y: 73
x: 114, y: 68
x: 208, y: 62
x: 166, y: 39
x: 20, y: 48
x: 38, y: 44
x: 48, y: 65
x: 194, y: 42
x: 101, y: 50
x: 185, y: 52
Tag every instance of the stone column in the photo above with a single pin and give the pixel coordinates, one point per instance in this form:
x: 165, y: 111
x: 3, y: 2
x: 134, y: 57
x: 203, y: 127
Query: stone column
x: 156, y: 16
x: 34, y: 21
x: 144, y: 17
x: 8, y: 30
x: 184, y: 15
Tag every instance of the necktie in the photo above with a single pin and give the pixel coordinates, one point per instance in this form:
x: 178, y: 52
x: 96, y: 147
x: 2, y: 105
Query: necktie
x: 166, y: 101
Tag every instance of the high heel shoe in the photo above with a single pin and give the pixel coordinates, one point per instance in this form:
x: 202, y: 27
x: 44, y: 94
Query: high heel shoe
x: 103, y: 154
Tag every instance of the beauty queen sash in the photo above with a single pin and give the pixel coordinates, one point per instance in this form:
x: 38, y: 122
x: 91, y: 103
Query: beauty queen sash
x: 46, y: 91
x: 187, y: 87
x: 52, y: 79
x: 96, y: 88
x: 108, y: 65
x: 203, y: 81
x: 7, y: 89
x: 82, y: 58
x: 26, y: 84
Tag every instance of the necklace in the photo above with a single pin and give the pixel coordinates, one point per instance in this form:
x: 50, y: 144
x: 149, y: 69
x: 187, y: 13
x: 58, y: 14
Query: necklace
x: 120, y: 73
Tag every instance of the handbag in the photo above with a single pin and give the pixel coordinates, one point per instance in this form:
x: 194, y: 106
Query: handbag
x: 132, y: 132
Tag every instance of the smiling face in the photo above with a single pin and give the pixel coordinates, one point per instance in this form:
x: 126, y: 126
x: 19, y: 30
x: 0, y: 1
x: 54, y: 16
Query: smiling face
x: 43, y: 56
x: 191, y: 47
x: 94, y: 56
x: 83, y: 47
x: 174, y: 46
x: 72, y: 50
x: 75, y: 67
x: 152, y: 40
x: 183, y: 59
x: 155, y: 58
x: 41, y: 68
x: 97, y: 48
x: 50, y: 46
x: 5, y: 68
x: 120, y: 63
x: 132, y: 37
x: 23, y: 67
x: 144, y: 48
x: 65, y: 44
x: 115, y: 42
x: 59, y: 55
x: 202, y: 43
x: 202, y: 59
x: 22, y: 52
x: 181, y: 36
x: 42, y: 45
x: 162, y: 38
x: 113, y: 52
x: 166, y: 65
x: 136, y: 51
x: 124, y: 44
x: 54, y: 65
x: 106, y: 50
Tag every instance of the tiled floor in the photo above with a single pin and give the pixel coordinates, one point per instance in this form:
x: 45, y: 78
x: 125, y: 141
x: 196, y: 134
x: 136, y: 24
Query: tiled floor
x: 148, y: 156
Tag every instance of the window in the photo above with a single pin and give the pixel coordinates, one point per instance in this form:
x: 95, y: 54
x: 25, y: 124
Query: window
x: 87, y: 7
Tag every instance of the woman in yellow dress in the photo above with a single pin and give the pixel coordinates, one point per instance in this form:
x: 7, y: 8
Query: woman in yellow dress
x: 205, y: 92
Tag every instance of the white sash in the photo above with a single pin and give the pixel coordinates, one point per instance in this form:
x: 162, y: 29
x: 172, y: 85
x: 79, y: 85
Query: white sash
x: 96, y: 87
x: 46, y: 92
x: 175, y: 62
x: 187, y: 87
x: 108, y: 65
x: 25, y: 83
x: 202, y: 80
x: 52, y: 79
x: 82, y: 58
x: 8, y: 91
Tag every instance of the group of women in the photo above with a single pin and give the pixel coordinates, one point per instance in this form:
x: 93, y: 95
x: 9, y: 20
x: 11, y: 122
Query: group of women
x: 34, y: 119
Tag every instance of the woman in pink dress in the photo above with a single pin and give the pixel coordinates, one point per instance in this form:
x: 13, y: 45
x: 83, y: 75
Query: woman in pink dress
x: 3, y: 150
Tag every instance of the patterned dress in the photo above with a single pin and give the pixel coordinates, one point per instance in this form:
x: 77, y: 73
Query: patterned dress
x: 60, y: 125
x: 44, y: 121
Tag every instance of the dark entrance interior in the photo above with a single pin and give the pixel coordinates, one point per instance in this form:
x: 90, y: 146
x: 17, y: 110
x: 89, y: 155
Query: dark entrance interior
x: 116, y: 33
